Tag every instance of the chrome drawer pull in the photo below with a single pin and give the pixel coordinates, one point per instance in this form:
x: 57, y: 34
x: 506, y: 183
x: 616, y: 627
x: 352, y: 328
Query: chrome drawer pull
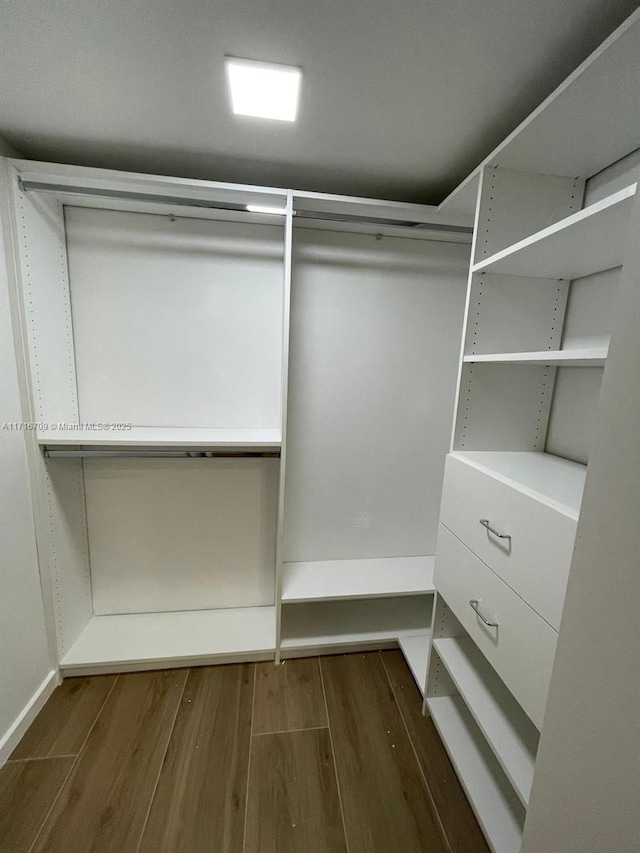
x: 485, y: 523
x: 475, y: 605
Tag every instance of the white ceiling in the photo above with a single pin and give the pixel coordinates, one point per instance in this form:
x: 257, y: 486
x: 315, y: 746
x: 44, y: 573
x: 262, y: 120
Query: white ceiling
x: 400, y: 98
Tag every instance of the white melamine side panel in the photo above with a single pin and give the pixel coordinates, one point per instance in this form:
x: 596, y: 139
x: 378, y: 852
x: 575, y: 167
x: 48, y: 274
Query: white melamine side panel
x: 514, y: 314
x: 374, y: 347
x: 181, y: 534
x: 587, y: 320
x: 63, y: 499
x: 521, y: 646
x: 42, y: 262
x: 503, y: 407
x: 535, y: 560
x: 177, y: 322
x: 573, y: 412
x: 26, y: 658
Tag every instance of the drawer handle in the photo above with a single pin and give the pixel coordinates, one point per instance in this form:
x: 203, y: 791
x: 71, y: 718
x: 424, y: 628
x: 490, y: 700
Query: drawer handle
x: 475, y: 605
x: 485, y: 523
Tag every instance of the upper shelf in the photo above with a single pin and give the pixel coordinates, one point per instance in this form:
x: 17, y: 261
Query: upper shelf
x: 584, y: 243
x: 595, y: 357
x: 155, y: 437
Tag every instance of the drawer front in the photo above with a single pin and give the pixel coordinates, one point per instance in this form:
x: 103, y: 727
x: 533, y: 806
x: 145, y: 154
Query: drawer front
x: 535, y: 561
x: 521, y: 649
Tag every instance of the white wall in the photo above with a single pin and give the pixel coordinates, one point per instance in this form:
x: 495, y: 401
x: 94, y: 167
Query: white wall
x: 24, y: 655
x: 586, y: 787
x: 177, y: 322
x: 375, y: 338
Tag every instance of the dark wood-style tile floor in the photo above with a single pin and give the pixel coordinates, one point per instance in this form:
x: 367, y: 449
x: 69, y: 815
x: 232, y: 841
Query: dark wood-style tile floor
x: 318, y: 755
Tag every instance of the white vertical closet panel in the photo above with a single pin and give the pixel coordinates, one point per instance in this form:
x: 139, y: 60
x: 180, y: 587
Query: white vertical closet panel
x: 177, y: 322
x: 375, y: 330
x: 26, y: 657
x: 42, y: 261
x: 40, y: 252
x: 181, y: 534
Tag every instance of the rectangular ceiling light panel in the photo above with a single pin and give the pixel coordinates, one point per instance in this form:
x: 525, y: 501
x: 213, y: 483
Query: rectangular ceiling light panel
x: 263, y: 90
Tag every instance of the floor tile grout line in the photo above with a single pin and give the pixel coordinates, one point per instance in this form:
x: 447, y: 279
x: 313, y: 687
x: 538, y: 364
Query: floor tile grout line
x: 161, y: 764
x: 290, y: 731
x: 436, y: 813
x: 73, y: 765
x: 246, y: 798
x: 41, y: 758
x: 333, y: 755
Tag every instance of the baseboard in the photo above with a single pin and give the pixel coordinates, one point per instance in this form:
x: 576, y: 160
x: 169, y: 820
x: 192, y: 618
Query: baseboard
x: 12, y: 738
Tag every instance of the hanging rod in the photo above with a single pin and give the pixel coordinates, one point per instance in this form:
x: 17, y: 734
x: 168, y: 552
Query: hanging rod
x: 326, y: 216
x: 159, y: 454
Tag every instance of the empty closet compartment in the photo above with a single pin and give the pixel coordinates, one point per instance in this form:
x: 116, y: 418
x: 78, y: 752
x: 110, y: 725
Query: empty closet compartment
x: 156, y: 341
x: 375, y: 331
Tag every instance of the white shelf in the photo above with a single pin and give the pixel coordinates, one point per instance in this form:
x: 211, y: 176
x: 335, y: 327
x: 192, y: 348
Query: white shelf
x: 344, y: 579
x: 150, y: 640
x: 511, y: 735
x: 542, y: 475
x: 415, y: 649
x: 584, y: 243
x: 595, y: 357
x: 150, y: 437
x: 351, y: 624
x: 499, y: 812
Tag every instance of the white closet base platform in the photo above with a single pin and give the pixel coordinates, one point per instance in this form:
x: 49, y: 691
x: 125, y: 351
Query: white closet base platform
x: 144, y: 641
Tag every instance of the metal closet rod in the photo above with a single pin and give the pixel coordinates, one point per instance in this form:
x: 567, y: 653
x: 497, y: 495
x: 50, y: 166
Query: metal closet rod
x: 54, y: 453
x: 125, y: 195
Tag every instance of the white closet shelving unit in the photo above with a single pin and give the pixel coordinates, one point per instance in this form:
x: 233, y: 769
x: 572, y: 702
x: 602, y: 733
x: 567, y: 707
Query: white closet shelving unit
x: 155, y: 317
x: 155, y: 326
x: 374, y: 314
x: 241, y: 419
x: 546, y: 261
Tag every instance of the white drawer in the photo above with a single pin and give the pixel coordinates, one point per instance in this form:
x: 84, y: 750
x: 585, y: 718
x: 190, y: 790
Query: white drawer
x: 535, y: 561
x: 521, y: 649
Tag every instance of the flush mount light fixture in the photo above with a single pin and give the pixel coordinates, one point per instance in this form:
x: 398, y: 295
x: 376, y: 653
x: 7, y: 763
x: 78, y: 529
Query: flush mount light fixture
x: 263, y: 90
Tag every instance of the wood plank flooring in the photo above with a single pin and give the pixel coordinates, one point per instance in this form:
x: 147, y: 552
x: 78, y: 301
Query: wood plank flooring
x: 318, y: 755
